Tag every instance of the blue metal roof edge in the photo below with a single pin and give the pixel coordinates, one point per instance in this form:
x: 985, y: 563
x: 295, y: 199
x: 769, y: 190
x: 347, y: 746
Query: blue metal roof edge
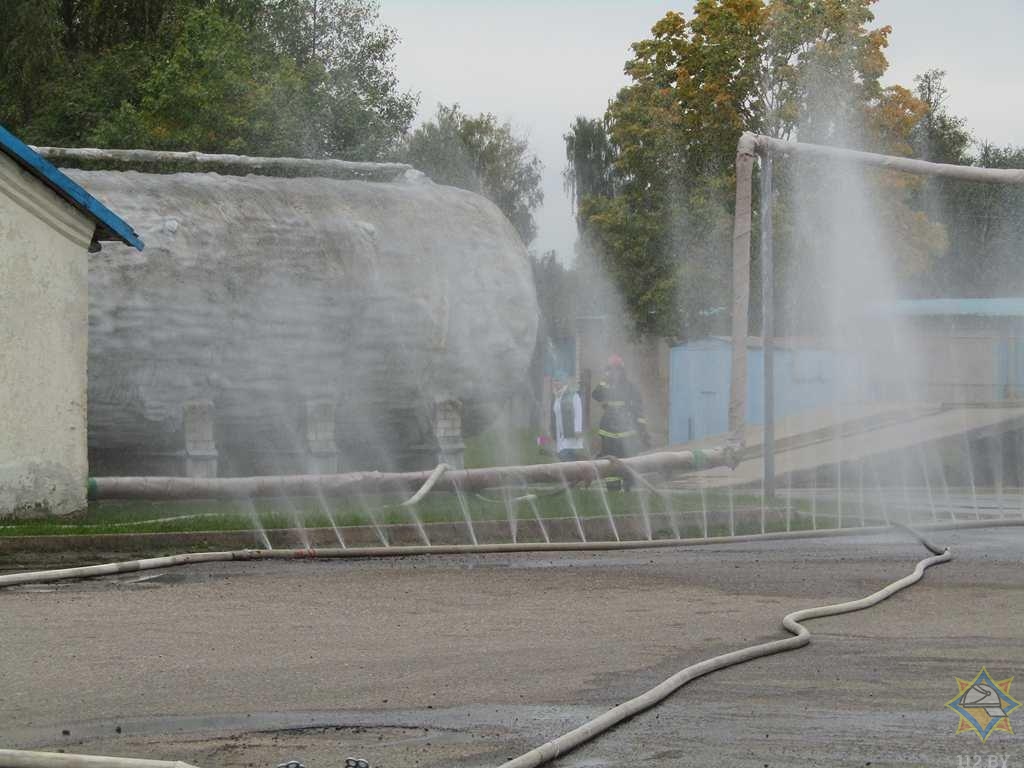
x: 110, y: 226
x: 1007, y: 306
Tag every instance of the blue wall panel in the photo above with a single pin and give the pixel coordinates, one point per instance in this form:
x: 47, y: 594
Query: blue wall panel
x: 805, y: 379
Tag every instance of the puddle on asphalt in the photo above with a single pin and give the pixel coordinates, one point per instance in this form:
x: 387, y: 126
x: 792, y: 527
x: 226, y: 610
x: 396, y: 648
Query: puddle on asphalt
x: 478, y: 735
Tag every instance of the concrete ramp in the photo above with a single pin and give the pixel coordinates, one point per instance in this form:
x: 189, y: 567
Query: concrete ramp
x: 892, y: 443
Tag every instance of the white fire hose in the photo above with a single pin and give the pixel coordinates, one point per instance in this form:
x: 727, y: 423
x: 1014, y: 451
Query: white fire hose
x: 539, y: 755
x: 16, y: 758
x: 791, y: 621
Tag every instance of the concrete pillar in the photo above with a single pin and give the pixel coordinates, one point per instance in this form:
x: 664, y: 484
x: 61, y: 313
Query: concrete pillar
x: 323, y: 451
x: 200, y: 448
x: 448, y: 431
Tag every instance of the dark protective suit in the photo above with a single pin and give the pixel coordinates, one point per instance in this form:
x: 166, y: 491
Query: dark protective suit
x: 622, y: 426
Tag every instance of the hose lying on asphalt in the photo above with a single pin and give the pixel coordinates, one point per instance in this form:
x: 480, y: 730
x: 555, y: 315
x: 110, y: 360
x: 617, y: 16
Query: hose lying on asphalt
x: 801, y: 637
x: 15, y: 758
x: 569, y: 741
x: 357, y: 553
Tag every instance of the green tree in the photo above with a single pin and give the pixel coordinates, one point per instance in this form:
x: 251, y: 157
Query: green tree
x: 31, y: 58
x: 213, y: 90
x: 783, y: 67
x: 302, y: 77
x: 986, y: 230
x: 939, y: 136
x: 347, y: 58
x: 590, y: 159
x: 483, y: 155
x: 556, y: 296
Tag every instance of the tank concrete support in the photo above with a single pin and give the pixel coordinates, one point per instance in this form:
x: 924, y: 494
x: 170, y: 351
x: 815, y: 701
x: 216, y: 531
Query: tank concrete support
x: 323, y: 451
x: 448, y: 431
x: 200, y: 447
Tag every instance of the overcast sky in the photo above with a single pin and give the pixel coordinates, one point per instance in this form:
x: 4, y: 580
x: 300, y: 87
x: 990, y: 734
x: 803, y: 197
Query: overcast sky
x: 539, y: 63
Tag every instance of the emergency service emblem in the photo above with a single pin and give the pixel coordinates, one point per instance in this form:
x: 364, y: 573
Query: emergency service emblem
x: 984, y: 705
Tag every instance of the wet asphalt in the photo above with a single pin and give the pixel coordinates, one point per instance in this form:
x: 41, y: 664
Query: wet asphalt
x: 467, y: 661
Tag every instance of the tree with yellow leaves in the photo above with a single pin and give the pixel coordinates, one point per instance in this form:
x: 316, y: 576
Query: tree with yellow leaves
x: 807, y: 69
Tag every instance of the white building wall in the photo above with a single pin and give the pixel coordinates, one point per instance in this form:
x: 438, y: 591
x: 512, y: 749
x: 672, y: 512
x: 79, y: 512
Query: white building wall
x: 43, y: 347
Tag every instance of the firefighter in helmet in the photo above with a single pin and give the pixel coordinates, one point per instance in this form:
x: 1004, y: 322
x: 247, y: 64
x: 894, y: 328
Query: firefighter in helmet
x: 623, y: 429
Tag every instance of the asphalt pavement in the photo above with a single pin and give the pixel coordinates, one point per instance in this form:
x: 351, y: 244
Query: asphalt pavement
x: 467, y: 661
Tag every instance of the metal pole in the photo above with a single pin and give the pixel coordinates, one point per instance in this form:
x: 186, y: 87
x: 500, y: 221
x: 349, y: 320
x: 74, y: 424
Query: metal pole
x: 740, y: 290
x: 768, y: 325
x: 751, y: 143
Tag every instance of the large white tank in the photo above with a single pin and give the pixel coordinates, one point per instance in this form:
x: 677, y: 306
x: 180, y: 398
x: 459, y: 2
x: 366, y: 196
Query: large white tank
x: 262, y: 294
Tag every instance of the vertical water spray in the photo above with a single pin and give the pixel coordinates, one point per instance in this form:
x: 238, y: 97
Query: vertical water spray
x: 732, y: 505
x: 814, y: 500
x: 959, y: 399
x: 511, y: 512
x: 466, y: 515
x: 572, y: 505
x: 1020, y: 469
x: 641, y: 494
x: 604, y: 502
x: 789, y: 502
x: 257, y: 524
x: 934, y: 451
x: 670, y: 515
x: 878, y: 487
x: 293, y: 512
x: 531, y: 499
x: 837, y: 445
x: 702, y: 484
x: 371, y: 514
x: 860, y: 492
x: 326, y: 509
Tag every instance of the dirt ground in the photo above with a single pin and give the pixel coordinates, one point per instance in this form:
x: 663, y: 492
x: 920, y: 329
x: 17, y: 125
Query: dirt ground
x: 467, y: 661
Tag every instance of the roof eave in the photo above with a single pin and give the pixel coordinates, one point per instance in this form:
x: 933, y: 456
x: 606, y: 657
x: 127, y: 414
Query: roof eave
x: 109, y: 226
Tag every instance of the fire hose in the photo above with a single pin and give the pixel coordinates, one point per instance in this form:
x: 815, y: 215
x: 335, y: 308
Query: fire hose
x: 791, y: 622
x: 539, y: 755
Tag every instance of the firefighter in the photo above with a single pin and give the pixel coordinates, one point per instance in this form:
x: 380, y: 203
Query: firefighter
x: 623, y: 428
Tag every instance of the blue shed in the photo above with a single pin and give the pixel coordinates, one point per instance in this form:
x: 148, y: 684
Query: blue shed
x: 699, y: 374
x: 963, y: 351
x: 972, y: 349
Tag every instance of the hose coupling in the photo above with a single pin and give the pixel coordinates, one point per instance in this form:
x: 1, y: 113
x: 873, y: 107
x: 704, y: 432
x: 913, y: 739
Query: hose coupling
x: 291, y: 764
x: 734, y: 453
x: 356, y: 762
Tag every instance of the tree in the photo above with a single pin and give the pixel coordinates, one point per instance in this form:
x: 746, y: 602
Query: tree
x: 556, y: 296
x: 985, y: 227
x: 590, y: 159
x: 311, y: 78
x: 939, y: 136
x: 213, y: 90
x: 784, y: 67
x: 31, y: 57
x: 483, y: 155
x: 347, y: 56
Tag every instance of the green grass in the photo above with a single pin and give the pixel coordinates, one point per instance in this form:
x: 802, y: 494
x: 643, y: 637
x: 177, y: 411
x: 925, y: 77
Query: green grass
x: 501, y: 447
x: 202, y: 516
